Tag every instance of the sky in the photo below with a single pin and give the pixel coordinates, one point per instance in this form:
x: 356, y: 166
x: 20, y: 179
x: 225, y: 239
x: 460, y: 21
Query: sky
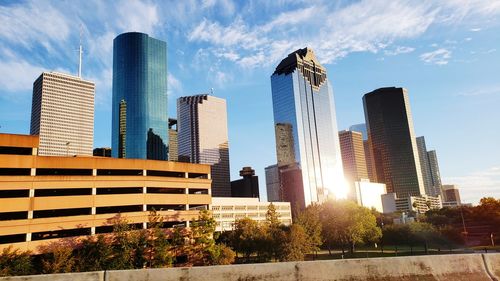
x: 445, y: 52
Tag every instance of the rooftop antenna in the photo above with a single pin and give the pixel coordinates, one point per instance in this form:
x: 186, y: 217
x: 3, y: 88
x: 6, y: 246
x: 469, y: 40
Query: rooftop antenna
x: 80, y: 51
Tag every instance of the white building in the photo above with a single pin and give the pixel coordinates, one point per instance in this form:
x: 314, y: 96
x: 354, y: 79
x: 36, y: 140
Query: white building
x: 226, y: 211
x: 62, y: 114
x: 203, y: 139
x: 369, y: 194
x: 419, y: 204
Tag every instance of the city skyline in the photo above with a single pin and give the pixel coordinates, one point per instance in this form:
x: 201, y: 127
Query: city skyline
x: 444, y: 108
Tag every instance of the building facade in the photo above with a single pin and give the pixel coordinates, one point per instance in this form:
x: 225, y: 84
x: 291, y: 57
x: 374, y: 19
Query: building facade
x: 360, y: 128
x: 173, y: 144
x: 272, y: 183
x: 62, y: 114
x: 392, y: 140
x: 203, y: 137
x: 226, y: 211
x: 139, y: 120
x: 425, y: 167
x: 418, y: 204
x: 369, y: 194
x: 102, y: 151
x: 46, y: 198
x: 435, y: 174
x: 248, y: 186
x: 304, y: 112
x: 451, y: 195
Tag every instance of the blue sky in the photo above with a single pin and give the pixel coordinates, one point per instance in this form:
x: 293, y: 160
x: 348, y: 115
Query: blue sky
x: 446, y: 53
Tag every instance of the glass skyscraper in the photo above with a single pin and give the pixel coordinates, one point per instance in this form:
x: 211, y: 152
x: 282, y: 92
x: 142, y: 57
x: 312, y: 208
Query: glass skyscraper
x: 307, y: 142
x: 140, y: 120
x: 392, y: 141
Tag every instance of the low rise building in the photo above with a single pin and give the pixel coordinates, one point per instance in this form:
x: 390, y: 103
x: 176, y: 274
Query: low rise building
x: 369, y: 194
x: 227, y: 211
x: 419, y: 204
x: 43, y: 198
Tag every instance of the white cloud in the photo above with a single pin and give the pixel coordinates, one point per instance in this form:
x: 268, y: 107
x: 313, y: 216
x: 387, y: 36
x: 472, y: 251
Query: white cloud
x: 174, y: 86
x: 334, y: 31
x: 34, y: 23
x: 135, y: 15
x: 476, y: 185
x: 440, y: 57
x: 18, y: 75
x: 399, y: 50
x: 475, y: 29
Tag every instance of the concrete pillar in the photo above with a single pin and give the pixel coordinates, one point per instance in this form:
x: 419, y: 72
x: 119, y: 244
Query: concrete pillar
x: 33, y: 172
x: 186, y: 175
x: 30, y: 211
x: 144, y: 172
x: 28, y: 237
x: 187, y: 223
x: 92, y: 230
x: 94, y: 172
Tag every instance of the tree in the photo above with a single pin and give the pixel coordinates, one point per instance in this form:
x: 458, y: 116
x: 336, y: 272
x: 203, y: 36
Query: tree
x: 123, y: 245
x: 157, y: 247
x: 310, y: 221
x: 246, y: 237
x: 94, y: 254
x: 58, y: 259
x: 221, y: 255
x: 274, y: 234
x: 296, y: 245
x: 15, y: 262
x: 346, y: 223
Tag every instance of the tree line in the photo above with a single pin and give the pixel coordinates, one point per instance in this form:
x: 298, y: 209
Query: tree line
x: 340, y: 226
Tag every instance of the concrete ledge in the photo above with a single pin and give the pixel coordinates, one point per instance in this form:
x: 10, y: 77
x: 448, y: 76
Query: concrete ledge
x: 492, y: 262
x: 467, y: 267
x: 83, y: 276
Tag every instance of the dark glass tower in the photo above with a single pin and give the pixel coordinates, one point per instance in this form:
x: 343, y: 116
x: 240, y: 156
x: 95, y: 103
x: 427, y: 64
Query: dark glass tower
x: 393, y: 143
x: 140, y: 120
x: 307, y: 143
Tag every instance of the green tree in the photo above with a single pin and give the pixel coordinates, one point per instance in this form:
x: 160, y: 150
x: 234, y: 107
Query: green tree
x: 203, y: 239
x: 297, y: 245
x: 59, y: 258
x: 221, y: 254
x: 157, y: 247
x: 123, y: 243
x: 15, y: 262
x: 94, y: 254
x: 247, y: 237
x: 310, y: 221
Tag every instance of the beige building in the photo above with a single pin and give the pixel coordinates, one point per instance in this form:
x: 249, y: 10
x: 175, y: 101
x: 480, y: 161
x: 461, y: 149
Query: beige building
x: 451, y: 195
x: 420, y: 204
x: 202, y: 137
x: 227, y: 211
x: 46, y: 198
x: 62, y: 114
x: 353, y: 155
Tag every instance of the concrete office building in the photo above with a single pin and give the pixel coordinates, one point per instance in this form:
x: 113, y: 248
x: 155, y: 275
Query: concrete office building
x: 226, y: 211
x: 425, y: 167
x: 248, y: 186
x: 173, y: 145
x: 272, y: 183
x: 451, y: 195
x: 360, y: 128
x: 62, y: 114
x: 353, y: 159
x: 435, y: 174
x: 46, y: 198
x: 203, y: 137
x: 392, y: 140
x: 102, y: 151
x: 139, y: 105
x: 419, y: 204
x: 307, y: 144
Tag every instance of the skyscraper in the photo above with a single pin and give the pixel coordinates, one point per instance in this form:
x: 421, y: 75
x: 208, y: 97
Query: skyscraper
x: 248, y: 186
x: 360, y: 128
x: 306, y: 130
x: 424, y: 165
x: 435, y: 174
x: 272, y: 183
x: 393, y: 144
x: 62, y: 114
x: 353, y: 156
x: 173, y: 145
x: 203, y: 139
x: 139, y: 121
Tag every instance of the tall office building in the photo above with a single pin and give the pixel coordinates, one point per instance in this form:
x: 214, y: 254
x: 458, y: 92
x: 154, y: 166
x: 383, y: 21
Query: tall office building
x: 203, y: 139
x: 173, y: 145
x: 353, y: 156
x: 62, y: 114
x: 393, y: 143
x: 424, y: 165
x: 306, y: 131
x: 139, y: 121
x: 248, y: 186
x: 272, y: 183
x: 435, y: 174
x: 360, y: 128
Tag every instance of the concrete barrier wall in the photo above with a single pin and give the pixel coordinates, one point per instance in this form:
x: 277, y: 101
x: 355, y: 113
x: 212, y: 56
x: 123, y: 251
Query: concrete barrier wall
x: 470, y: 267
x: 492, y: 262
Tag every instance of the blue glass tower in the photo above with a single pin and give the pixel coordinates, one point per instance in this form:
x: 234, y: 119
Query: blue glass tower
x: 140, y: 120
x: 307, y: 142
